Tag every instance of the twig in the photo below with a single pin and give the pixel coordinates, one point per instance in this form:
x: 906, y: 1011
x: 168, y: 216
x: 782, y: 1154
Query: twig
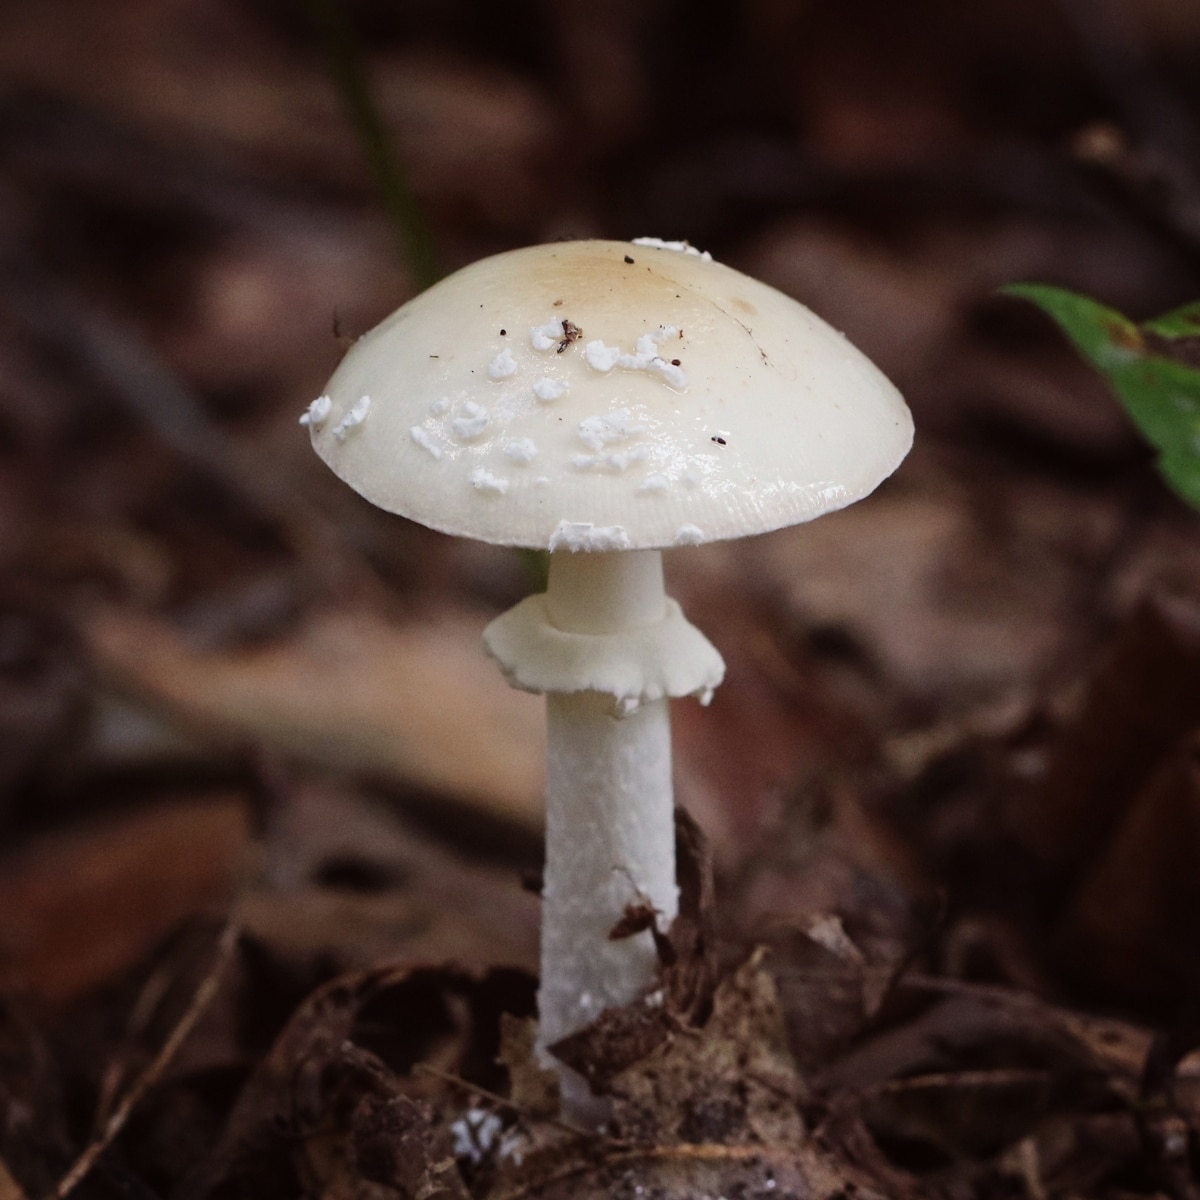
x: 200, y: 1001
x: 782, y: 1090
x: 996, y: 992
x: 946, y: 1080
x: 153, y: 991
x: 347, y: 67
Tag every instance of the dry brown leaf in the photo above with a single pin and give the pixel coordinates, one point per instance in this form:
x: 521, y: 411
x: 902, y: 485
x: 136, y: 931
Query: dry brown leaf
x: 399, y: 1144
x: 1139, y: 703
x: 532, y: 1088
x: 332, y: 1103
x: 419, y: 704
x: 1072, y: 1154
x: 80, y: 906
x: 796, y: 716
x: 943, y: 599
x: 10, y: 1189
x: 1131, y: 927
x: 713, y: 1111
x: 688, y: 1172
x: 410, y: 898
x: 732, y: 1081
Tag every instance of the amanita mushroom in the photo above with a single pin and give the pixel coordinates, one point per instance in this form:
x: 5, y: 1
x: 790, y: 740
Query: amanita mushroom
x: 605, y: 401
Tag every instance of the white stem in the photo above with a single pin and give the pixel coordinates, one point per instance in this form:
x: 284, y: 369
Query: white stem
x: 606, y: 593
x: 610, y: 832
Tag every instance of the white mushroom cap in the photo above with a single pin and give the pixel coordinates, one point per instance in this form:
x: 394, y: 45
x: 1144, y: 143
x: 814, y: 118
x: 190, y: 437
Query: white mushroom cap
x: 605, y: 395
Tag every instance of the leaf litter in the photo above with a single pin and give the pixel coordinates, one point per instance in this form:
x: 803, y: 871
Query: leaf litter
x: 950, y: 784
x: 707, y: 1102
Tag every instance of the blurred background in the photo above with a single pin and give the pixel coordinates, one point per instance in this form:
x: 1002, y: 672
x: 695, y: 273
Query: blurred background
x: 958, y: 720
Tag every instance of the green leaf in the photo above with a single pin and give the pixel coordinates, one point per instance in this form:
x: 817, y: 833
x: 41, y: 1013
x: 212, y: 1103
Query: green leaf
x: 1102, y: 335
x: 1160, y: 393
x: 1163, y: 399
x: 1182, y: 472
x: 1179, y: 323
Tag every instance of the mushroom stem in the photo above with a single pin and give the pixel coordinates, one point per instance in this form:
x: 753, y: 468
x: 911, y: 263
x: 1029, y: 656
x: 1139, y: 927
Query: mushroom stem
x: 610, y: 835
x: 605, y: 593
x: 607, y: 647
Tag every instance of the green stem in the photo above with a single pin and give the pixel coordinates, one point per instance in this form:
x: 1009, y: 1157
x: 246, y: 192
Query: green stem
x: 347, y: 67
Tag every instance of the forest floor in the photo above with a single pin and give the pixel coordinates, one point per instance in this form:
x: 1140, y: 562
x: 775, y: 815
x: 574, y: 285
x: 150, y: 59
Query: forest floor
x: 267, y: 924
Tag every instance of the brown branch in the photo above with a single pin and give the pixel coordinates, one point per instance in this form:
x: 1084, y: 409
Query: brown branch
x: 200, y: 1001
x: 944, y: 1080
x: 150, y: 998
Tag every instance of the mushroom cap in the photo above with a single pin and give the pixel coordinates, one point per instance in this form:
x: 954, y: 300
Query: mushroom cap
x: 601, y: 395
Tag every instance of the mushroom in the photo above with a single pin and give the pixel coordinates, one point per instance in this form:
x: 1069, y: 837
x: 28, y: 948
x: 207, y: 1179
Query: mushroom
x: 605, y: 401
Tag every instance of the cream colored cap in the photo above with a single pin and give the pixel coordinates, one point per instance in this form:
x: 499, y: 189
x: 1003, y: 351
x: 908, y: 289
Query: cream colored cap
x: 607, y: 395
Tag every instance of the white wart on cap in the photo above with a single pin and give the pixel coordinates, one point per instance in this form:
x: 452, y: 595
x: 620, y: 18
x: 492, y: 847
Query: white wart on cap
x: 607, y: 396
